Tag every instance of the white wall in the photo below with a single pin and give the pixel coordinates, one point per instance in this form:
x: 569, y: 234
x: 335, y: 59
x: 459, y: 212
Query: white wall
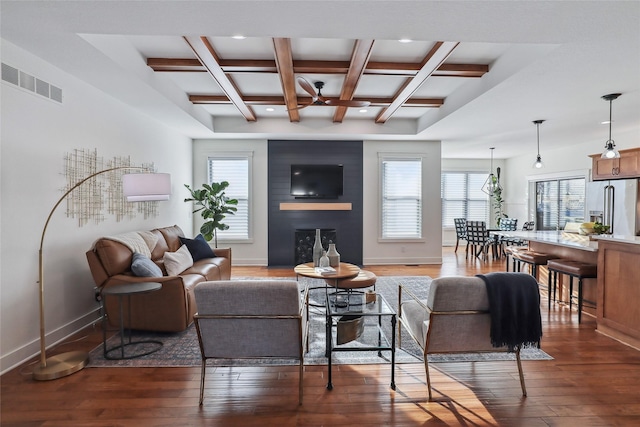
x: 573, y: 161
x: 429, y: 249
x: 254, y: 252
x: 36, y: 134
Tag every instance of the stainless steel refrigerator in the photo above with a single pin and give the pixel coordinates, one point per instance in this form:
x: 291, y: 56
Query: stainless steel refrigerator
x: 616, y: 204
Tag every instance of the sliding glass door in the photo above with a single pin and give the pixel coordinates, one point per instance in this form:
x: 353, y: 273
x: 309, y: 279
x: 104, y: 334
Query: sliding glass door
x: 559, y: 202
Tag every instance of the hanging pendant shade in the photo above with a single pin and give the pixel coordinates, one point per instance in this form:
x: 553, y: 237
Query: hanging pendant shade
x: 538, y: 163
x: 492, y: 184
x: 610, y: 151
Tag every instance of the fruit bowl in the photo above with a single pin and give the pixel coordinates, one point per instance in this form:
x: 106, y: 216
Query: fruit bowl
x: 585, y: 231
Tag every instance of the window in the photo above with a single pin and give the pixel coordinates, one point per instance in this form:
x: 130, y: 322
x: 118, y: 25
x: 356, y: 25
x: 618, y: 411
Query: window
x: 234, y: 169
x: 401, y: 198
x: 462, y: 197
x: 558, y: 202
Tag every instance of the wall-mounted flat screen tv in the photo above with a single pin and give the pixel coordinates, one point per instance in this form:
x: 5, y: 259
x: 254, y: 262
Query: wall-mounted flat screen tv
x: 316, y: 181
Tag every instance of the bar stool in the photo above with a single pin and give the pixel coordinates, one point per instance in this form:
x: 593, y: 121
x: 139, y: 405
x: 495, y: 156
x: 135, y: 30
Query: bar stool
x: 532, y: 258
x: 571, y: 268
x: 510, y: 253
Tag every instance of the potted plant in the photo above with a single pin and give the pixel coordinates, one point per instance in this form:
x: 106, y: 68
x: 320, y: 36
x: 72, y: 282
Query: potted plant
x: 214, y: 206
x: 498, y: 200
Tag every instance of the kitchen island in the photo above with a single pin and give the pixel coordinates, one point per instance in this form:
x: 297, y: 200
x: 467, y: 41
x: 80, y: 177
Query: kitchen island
x: 618, y: 310
x: 565, y: 245
x: 616, y: 291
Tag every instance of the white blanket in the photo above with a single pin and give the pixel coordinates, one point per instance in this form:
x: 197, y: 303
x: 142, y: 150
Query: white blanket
x: 141, y: 242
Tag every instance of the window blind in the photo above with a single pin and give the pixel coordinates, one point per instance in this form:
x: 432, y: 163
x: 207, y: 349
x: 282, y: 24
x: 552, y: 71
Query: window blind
x: 462, y: 197
x: 401, y: 198
x: 236, y: 172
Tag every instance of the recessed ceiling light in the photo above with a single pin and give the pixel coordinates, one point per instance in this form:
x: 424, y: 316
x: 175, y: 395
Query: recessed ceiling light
x: 405, y: 40
x: 364, y: 110
x: 238, y: 37
x: 270, y: 109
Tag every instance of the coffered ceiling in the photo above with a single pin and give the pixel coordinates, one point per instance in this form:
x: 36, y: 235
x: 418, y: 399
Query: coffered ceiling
x: 475, y: 75
x: 259, y: 78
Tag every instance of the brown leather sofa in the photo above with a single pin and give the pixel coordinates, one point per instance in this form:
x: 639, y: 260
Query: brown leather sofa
x: 170, y: 309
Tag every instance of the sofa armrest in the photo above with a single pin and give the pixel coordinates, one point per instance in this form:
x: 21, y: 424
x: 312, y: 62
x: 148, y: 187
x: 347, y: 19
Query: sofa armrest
x: 223, y: 252
x: 170, y: 309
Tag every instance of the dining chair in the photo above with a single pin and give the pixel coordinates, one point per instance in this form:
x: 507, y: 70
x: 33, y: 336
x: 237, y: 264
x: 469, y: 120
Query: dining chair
x: 461, y: 232
x: 506, y: 224
x: 478, y: 238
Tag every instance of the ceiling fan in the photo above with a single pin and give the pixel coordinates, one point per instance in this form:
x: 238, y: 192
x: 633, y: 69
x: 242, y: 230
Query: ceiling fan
x: 318, y: 99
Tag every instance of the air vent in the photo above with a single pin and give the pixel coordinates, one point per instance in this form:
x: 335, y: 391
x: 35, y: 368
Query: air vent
x: 30, y: 83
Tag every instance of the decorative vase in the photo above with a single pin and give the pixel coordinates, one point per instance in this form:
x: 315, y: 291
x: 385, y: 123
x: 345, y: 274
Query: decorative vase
x: 333, y: 255
x: 324, y: 260
x: 317, y: 249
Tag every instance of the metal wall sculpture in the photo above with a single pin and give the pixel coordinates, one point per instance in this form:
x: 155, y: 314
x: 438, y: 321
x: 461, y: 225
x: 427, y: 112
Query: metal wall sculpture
x: 101, y: 196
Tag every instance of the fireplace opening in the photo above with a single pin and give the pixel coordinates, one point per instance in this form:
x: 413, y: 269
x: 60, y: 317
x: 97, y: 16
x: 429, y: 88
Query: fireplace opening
x: 304, y: 240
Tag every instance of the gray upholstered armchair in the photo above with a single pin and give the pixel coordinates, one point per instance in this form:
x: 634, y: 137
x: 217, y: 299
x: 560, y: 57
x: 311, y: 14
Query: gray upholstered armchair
x: 455, y: 317
x: 251, y: 319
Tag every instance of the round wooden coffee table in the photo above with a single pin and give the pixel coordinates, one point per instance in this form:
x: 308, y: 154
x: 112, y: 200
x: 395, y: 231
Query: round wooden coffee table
x: 343, y: 271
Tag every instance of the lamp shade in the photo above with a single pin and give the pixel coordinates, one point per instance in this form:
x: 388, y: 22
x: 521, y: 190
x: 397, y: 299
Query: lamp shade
x: 144, y: 187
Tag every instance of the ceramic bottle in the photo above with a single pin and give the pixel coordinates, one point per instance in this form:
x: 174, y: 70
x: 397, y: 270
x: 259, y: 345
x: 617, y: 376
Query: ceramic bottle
x: 317, y: 249
x: 333, y: 255
x: 324, y: 260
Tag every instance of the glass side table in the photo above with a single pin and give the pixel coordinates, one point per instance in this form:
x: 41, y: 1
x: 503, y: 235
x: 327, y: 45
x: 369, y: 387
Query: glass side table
x: 145, y: 346
x: 359, y: 327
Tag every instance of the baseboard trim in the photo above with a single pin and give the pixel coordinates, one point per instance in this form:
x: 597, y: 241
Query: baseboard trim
x: 22, y: 354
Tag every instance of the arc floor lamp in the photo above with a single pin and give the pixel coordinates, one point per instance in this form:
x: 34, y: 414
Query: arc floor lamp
x: 136, y: 187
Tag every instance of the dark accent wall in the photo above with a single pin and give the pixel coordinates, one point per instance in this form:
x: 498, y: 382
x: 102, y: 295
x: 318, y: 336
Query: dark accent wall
x: 283, y: 224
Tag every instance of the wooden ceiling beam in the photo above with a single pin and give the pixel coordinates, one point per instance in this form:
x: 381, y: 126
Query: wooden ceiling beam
x: 436, y: 56
x: 284, y: 63
x: 317, y: 67
x: 279, y: 100
x: 207, y: 56
x: 359, y: 59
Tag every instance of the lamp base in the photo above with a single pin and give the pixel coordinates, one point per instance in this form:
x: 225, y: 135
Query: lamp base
x: 61, y: 365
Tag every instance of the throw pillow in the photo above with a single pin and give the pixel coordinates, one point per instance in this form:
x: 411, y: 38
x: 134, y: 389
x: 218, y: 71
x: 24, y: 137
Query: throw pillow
x: 198, y: 247
x: 178, y: 261
x: 142, y: 266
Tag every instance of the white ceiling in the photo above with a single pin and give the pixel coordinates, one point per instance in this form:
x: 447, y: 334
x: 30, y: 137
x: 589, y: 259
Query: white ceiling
x: 547, y: 60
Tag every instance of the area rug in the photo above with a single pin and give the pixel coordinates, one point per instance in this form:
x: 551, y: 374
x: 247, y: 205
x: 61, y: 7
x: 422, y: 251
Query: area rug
x: 181, y: 349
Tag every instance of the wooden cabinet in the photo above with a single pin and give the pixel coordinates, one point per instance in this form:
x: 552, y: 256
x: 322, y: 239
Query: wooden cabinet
x: 627, y: 166
x: 618, y: 307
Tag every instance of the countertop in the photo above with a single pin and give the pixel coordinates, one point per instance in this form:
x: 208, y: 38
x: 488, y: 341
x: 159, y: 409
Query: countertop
x: 560, y: 238
x: 633, y: 240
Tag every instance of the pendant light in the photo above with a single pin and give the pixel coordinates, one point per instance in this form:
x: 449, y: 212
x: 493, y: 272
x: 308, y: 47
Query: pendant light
x: 492, y: 184
x: 610, y: 151
x: 538, y: 163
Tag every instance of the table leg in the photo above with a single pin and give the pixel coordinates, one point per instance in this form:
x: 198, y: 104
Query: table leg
x: 122, y: 326
x: 393, y: 352
x: 380, y: 335
x: 328, y: 351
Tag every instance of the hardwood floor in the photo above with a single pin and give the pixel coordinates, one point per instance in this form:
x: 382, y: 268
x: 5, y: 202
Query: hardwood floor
x: 593, y: 380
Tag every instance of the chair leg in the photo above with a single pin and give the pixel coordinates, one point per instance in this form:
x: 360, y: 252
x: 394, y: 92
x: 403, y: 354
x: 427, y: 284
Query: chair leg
x: 300, y: 381
x: 456, y: 249
x: 524, y: 388
x: 426, y: 369
x: 202, y: 372
x: 570, y: 291
x: 549, y: 289
x: 579, y: 299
